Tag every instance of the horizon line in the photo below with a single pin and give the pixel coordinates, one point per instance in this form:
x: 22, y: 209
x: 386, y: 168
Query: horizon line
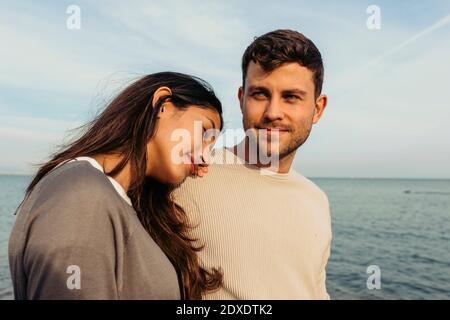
x: 309, y: 177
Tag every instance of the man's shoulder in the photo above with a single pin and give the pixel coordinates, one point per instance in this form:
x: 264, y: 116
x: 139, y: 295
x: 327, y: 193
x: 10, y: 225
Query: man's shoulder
x: 224, y: 155
x: 311, y: 186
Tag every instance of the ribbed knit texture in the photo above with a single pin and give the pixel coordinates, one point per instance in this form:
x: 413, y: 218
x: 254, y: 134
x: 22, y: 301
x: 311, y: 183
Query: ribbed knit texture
x: 270, y: 234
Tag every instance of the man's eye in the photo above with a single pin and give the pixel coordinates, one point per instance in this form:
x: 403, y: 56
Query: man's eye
x: 259, y: 94
x: 292, y: 97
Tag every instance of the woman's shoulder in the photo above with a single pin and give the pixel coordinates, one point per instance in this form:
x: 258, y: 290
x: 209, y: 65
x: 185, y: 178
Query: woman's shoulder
x: 71, y: 199
x: 76, y: 179
x: 75, y: 189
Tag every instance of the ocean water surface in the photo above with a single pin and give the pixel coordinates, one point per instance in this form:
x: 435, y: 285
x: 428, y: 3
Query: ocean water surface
x: 402, y: 226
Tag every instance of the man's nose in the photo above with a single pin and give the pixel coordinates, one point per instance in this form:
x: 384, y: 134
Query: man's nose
x: 273, y: 111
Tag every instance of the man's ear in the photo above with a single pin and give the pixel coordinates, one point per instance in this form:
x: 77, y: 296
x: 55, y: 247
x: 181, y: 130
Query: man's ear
x: 241, y: 97
x: 321, y: 104
x: 160, y: 93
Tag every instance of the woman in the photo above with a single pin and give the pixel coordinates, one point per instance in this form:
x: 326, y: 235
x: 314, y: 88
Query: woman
x: 98, y: 221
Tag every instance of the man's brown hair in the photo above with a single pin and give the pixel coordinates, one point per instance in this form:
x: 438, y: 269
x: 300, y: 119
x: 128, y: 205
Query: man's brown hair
x: 278, y: 47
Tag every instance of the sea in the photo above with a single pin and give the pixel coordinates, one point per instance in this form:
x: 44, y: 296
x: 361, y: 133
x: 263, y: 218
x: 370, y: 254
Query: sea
x: 391, y: 237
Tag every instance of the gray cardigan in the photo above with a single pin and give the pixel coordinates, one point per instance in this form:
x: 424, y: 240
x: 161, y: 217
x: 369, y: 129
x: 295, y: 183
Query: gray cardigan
x: 76, y: 238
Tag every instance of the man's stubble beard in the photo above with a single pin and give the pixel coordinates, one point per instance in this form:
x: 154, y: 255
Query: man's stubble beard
x: 297, y: 139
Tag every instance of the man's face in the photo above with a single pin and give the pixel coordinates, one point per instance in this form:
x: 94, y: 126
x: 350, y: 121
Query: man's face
x: 282, y: 101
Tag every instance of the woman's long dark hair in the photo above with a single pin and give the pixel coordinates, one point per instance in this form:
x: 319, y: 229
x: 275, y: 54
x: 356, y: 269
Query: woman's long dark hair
x: 125, y: 127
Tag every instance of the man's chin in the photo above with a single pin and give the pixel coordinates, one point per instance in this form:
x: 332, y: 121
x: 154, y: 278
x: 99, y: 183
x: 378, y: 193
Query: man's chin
x: 280, y: 153
x: 269, y: 152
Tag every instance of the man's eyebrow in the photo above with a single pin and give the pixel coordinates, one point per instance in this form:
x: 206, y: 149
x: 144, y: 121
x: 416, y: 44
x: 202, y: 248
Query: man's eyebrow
x: 260, y: 88
x: 295, y: 91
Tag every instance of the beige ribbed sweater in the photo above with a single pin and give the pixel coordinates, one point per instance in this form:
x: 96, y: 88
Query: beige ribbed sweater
x: 270, y: 234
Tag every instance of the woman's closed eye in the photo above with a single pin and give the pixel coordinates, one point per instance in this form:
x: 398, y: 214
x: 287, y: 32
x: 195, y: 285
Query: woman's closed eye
x: 209, y: 135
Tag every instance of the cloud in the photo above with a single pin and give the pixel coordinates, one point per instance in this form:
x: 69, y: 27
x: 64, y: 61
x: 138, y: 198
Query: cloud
x: 29, y: 140
x: 387, y: 89
x: 355, y: 75
x: 31, y: 60
x: 390, y: 122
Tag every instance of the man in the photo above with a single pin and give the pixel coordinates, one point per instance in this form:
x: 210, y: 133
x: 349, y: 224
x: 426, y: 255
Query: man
x: 269, y: 231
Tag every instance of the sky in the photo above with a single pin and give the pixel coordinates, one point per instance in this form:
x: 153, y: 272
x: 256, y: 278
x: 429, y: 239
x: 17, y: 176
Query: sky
x: 388, y: 113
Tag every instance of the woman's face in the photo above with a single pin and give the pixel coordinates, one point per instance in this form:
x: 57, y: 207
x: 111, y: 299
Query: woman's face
x: 181, y: 140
